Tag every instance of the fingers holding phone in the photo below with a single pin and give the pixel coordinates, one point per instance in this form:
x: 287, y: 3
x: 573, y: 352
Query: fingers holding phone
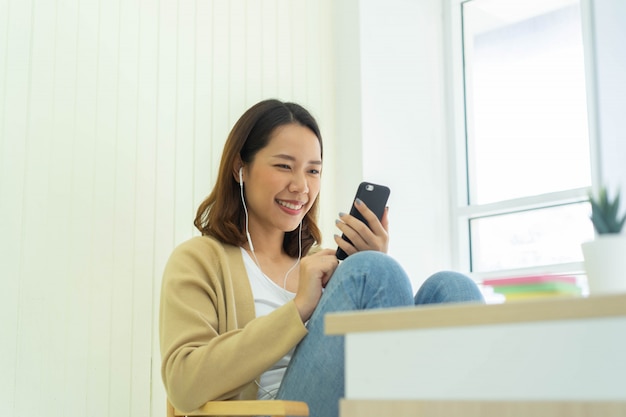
x: 359, y: 236
x: 366, y: 227
x: 378, y: 225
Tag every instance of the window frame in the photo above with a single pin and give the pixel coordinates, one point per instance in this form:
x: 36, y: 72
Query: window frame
x: 462, y: 212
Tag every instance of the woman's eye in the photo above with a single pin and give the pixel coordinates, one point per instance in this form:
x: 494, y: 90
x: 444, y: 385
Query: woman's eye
x: 315, y: 171
x: 283, y: 166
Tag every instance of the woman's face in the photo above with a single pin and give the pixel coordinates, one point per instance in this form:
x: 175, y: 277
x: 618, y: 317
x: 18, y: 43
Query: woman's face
x: 283, y: 181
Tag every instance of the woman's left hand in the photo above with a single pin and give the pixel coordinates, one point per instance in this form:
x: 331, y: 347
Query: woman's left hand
x: 375, y: 237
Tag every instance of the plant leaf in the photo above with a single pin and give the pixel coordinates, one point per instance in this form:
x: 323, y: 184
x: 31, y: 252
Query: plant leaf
x: 621, y: 224
x: 605, y: 213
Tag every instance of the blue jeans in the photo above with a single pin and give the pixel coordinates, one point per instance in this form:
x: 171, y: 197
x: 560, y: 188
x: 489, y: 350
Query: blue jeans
x: 365, y: 280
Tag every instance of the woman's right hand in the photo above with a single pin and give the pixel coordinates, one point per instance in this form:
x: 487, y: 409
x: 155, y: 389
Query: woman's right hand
x: 363, y: 237
x: 315, y: 272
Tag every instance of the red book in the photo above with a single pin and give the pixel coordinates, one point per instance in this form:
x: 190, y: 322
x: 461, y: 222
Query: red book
x: 531, y: 279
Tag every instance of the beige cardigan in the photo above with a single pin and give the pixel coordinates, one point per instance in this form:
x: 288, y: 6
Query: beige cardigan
x: 212, y: 346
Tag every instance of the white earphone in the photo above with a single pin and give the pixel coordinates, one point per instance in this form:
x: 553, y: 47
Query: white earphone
x: 245, y: 209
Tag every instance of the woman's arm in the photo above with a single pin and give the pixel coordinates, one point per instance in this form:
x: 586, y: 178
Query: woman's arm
x: 210, y: 350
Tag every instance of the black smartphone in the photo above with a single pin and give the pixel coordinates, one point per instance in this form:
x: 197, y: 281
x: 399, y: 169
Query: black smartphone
x: 375, y: 198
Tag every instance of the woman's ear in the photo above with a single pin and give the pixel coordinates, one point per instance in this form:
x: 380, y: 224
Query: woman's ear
x: 238, y: 171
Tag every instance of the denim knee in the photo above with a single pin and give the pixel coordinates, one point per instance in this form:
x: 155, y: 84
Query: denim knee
x: 373, y: 274
x: 370, y: 259
x: 376, y: 266
x: 448, y: 287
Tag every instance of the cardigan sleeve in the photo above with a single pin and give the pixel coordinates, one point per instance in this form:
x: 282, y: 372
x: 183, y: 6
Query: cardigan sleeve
x: 207, y: 353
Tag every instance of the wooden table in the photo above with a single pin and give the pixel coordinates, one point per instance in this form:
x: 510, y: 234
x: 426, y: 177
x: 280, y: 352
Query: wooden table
x: 551, y: 357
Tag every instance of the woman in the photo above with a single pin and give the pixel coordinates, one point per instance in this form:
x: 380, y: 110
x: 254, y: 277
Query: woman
x: 242, y: 306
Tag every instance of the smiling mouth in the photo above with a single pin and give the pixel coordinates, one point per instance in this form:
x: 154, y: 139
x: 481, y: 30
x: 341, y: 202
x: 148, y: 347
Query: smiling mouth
x: 290, y: 206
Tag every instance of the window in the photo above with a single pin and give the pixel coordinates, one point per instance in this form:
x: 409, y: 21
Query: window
x: 522, y: 136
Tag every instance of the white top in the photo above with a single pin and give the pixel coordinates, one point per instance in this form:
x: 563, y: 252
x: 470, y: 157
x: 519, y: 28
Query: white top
x: 267, y: 297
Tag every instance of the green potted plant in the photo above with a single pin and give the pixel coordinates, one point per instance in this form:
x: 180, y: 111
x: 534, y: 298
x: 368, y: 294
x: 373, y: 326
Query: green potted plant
x: 605, y: 213
x: 605, y: 256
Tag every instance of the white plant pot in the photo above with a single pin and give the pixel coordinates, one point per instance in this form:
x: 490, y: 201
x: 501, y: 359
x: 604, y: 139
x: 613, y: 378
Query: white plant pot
x: 605, y: 264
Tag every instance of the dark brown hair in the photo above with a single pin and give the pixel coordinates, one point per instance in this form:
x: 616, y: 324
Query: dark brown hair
x: 221, y: 214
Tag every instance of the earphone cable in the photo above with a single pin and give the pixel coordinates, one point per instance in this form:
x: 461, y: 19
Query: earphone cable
x: 258, y: 264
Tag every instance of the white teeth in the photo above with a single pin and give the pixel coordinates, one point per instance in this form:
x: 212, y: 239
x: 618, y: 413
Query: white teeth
x: 289, y: 205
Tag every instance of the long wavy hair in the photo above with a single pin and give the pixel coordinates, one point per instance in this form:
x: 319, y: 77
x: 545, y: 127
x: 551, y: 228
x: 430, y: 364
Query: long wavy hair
x: 221, y: 214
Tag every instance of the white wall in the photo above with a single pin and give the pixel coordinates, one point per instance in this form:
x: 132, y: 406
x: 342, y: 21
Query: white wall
x: 348, y: 112
x: 399, y: 113
x: 112, y: 118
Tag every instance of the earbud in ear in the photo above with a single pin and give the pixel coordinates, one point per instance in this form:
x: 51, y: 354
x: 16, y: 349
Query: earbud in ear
x: 241, y: 176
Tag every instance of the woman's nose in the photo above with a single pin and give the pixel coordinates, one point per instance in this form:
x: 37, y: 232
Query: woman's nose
x: 299, y: 184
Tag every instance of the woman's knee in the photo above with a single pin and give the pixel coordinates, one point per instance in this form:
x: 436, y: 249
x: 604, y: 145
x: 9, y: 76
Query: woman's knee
x: 373, y: 271
x: 375, y: 265
x: 448, y: 287
x: 369, y: 259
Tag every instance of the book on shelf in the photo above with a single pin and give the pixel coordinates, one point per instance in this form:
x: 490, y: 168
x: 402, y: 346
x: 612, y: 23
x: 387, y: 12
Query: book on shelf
x: 534, y: 286
x: 529, y: 279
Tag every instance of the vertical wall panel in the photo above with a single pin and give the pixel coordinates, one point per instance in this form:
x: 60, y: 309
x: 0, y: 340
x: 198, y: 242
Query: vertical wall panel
x: 59, y: 214
x: 285, y: 30
x: 145, y: 284
x: 13, y: 82
x: 298, y: 51
x: 166, y: 148
x: 103, y: 193
x: 4, y: 46
x: 254, y: 51
x: 4, y: 49
x: 166, y: 128
x: 204, y: 169
x: 221, y: 119
x: 113, y: 115
x: 33, y: 300
x: 269, y: 45
x: 122, y: 300
x: 236, y: 42
x: 185, y: 114
x: 82, y: 256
